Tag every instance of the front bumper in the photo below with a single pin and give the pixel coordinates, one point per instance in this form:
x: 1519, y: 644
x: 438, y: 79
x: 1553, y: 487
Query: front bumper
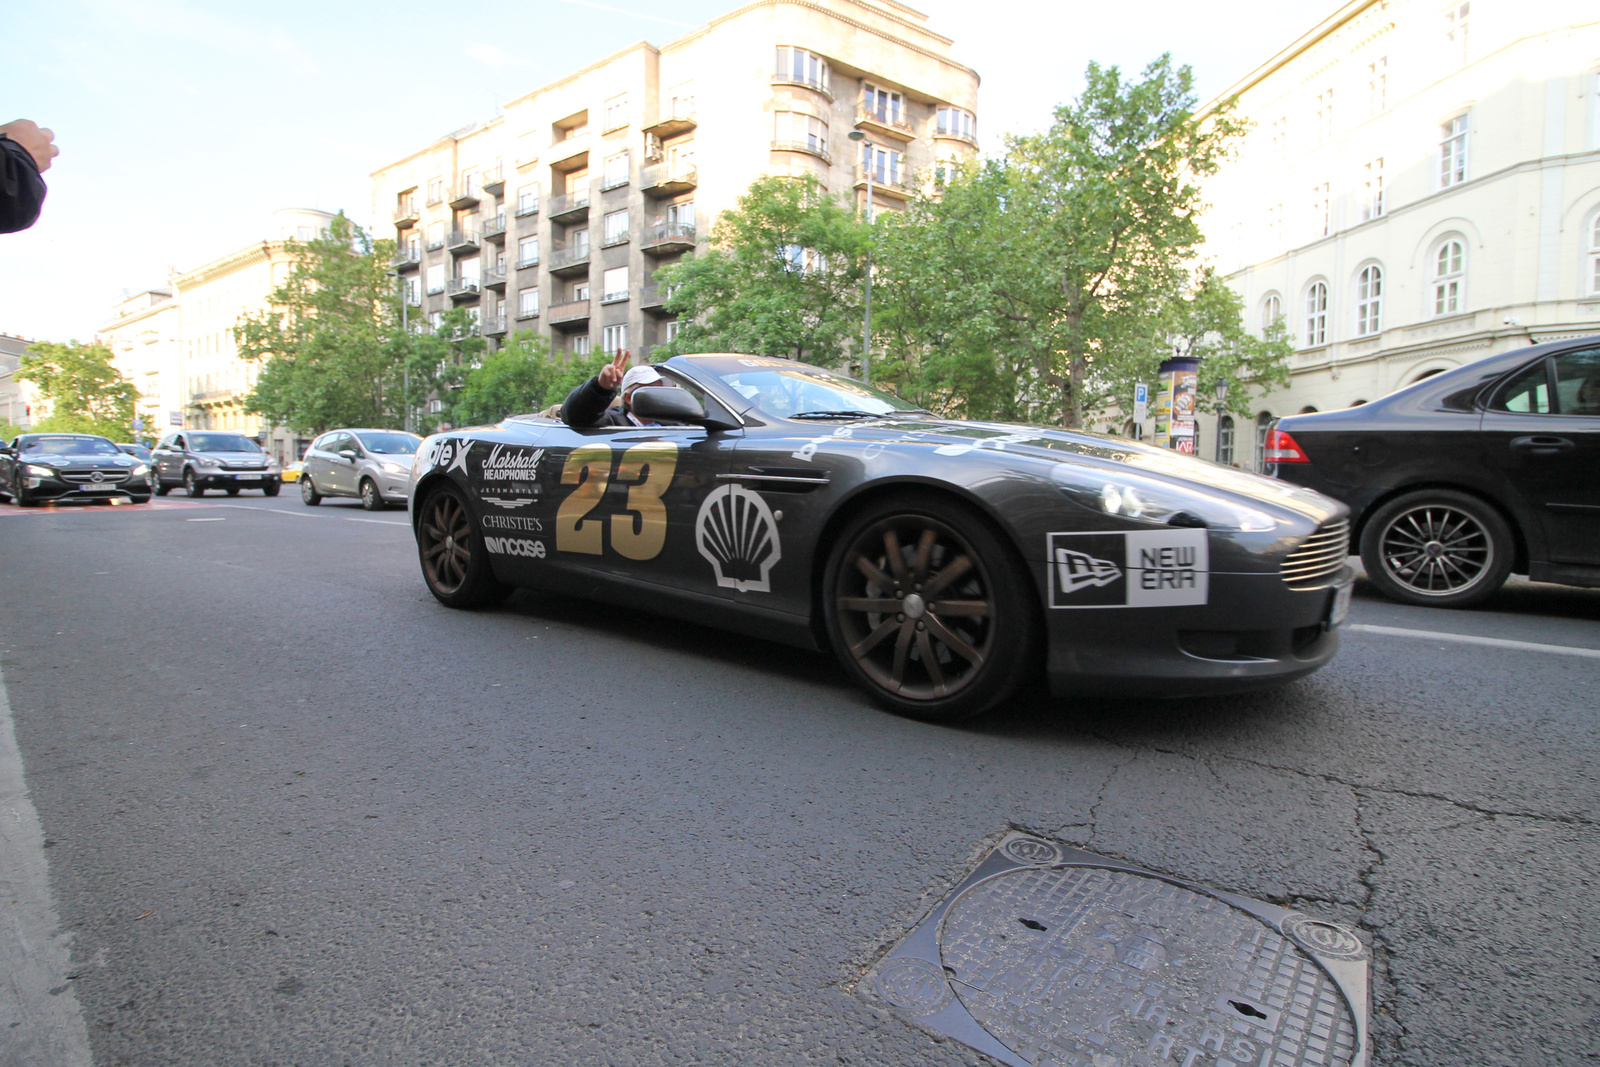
x: 235, y: 479
x: 40, y: 488
x: 1253, y: 632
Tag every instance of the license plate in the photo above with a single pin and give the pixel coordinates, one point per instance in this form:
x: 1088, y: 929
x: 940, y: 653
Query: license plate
x: 1341, y: 604
x: 248, y: 477
x: 101, y: 487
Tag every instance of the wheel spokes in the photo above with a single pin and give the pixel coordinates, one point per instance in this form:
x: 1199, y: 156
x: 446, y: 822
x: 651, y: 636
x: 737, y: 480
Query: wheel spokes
x: 954, y: 643
x: 902, y: 645
x: 953, y: 570
x: 875, y: 638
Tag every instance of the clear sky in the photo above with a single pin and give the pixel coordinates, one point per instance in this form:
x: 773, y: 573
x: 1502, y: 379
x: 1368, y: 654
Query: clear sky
x: 184, y: 123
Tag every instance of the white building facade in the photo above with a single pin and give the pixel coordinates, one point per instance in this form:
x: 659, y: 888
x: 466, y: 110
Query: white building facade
x: 1420, y: 187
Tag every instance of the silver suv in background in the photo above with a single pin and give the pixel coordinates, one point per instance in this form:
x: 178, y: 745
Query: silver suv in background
x: 203, y: 459
x: 374, y: 465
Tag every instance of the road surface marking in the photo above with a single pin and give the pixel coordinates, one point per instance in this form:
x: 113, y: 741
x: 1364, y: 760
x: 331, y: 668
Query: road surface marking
x: 217, y: 518
x: 44, y: 1023
x: 308, y: 515
x: 1470, y: 639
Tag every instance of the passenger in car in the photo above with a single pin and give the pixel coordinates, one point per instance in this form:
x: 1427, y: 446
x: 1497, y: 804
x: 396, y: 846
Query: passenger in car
x: 591, y: 404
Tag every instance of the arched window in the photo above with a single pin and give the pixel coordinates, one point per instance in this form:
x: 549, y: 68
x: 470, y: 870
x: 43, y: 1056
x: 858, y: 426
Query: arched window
x: 1593, y: 271
x: 1263, y: 424
x: 1225, y: 439
x: 1369, y: 300
x: 1449, y: 277
x: 1271, y: 313
x: 1316, y: 314
x: 1308, y: 410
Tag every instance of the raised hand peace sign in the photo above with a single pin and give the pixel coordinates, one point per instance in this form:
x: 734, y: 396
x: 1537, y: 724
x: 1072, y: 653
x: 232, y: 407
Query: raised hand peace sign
x: 610, y: 375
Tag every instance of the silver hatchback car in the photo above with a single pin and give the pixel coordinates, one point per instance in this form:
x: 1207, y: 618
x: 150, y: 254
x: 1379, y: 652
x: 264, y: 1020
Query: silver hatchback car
x: 374, y: 465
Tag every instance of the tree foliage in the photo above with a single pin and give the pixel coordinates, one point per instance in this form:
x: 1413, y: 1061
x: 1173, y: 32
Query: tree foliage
x: 783, y: 277
x: 328, y: 342
x: 86, y: 392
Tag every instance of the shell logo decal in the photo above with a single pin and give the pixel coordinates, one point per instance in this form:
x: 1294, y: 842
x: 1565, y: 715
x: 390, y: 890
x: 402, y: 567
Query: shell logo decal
x: 738, y: 536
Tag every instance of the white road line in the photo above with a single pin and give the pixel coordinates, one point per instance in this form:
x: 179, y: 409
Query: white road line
x: 1471, y: 639
x: 43, y: 1025
x: 384, y: 522
x: 216, y: 518
x: 308, y: 515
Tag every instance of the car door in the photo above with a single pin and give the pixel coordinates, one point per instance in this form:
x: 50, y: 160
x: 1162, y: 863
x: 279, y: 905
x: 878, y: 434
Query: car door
x: 1541, y: 431
x: 316, y: 467
x: 170, y: 457
x: 340, y: 468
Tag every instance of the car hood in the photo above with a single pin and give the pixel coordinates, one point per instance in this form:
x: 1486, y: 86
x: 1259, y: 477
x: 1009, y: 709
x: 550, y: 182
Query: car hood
x: 50, y: 459
x: 1092, y: 452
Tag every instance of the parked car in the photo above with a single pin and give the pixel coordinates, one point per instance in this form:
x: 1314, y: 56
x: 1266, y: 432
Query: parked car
x: 200, y: 460
x: 136, y: 450
x: 36, y: 467
x: 1454, y: 482
x: 374, y: 465
x: 944, y: 562
x: 291, y: 471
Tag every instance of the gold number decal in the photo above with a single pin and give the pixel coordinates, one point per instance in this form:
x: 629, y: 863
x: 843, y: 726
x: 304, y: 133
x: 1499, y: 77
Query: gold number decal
x: 589, y: 468
x: 650, y: 466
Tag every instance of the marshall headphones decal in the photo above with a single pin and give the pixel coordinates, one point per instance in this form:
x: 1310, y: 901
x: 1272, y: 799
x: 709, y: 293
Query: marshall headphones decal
x: 1135, y: 569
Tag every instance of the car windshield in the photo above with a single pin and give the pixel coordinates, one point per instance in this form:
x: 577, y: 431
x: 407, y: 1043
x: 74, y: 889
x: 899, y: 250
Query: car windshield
x: 70, y: 446
x: 390, y: 444
x: 139, y: 451
x: 799, y: 391
x: 221, y: 442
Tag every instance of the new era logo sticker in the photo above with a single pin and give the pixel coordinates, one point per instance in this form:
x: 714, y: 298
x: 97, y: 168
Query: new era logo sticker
x: 1137, y: 569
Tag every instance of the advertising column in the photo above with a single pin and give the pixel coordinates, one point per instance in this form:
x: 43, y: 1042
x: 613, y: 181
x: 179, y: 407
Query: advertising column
x: 1175, y: 411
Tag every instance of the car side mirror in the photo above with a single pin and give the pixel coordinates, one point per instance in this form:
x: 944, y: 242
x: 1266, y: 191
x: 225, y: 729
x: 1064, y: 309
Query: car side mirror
x: 7, y: 450
x: 348, y: 453
x: 667, y: 404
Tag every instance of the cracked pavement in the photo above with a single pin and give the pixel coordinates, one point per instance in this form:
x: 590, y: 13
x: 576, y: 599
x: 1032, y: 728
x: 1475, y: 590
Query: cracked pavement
x: 297, y: 813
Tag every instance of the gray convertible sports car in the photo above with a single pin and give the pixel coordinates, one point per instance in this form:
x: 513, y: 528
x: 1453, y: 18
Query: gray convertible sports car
x: 942, y: 561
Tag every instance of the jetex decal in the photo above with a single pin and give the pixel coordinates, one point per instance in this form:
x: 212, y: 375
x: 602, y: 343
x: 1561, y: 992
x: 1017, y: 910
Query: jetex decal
x: 1135, y: 569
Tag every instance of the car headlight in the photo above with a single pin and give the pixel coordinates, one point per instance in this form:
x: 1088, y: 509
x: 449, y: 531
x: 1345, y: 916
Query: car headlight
x: 392, y: 468
x: 142, y: 468
x: 1132, y: 496
x: 38, y: 471
x: 207, y: 461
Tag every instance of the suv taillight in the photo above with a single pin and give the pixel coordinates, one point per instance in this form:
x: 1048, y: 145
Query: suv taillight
x: 1281, y: 448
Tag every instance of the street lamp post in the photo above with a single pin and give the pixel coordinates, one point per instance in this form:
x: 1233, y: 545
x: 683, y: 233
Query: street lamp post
x: 405, y: 368
x: 866, y: 327
x: 1222, y: 395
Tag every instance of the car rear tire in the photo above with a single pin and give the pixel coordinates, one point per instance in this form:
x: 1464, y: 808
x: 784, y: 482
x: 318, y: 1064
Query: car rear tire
x: 191, y: 486
x: 271, y: 488
x: 371, y: 499
x: 455, y: 563
x: 1437, y: 548
x: 144, y: 499
x: 308, y: 492
x: 929, y: 609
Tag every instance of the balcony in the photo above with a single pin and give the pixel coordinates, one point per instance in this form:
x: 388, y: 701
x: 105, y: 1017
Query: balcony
x: 494, y: 279
x: 493, y: 181
x: 667, y: 238
x: 680, y: 120
x: 435, y: 195
x: 528, y: 264
x: 883, y: 181
x: 464, y: 196
x: 433, y: 242
x: 653, y: 298
x: 572, y: 313
x: 495, y: 229
x: 811, y: 148
x: 462, y: 290
x: 965, y: 136
x: 406, y: 259
x: 494, y: 326
x: 816, y: 86
x: 435, y: 290
x: 406, y: 215
x: 462, y: 241
x: 884, y: 122
x: 527, y: 207
x: 568, y: 207
x: 665, y: 179
x: 569, y: 261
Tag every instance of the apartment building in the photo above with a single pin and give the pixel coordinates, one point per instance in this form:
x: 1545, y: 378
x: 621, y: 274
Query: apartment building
x: 144, y: 338
x: 555, y: 215
x: 1420, y: 188
x: 16, y: 397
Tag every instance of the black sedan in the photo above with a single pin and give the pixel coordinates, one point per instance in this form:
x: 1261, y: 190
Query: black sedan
x: 940, y: 560
x: 36, y: 467
x: 1467, y: 476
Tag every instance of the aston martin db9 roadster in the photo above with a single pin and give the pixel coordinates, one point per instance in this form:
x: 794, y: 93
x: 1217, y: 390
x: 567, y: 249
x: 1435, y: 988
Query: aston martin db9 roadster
x: 943, y: 562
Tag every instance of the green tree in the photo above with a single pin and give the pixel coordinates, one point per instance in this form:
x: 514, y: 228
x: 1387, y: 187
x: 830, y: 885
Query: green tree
x: 9, y: 430
x: 329, y: 345
x: 437, y: 362
x: 86, y: 392
x: 782, y: 277
x: 512, y: 381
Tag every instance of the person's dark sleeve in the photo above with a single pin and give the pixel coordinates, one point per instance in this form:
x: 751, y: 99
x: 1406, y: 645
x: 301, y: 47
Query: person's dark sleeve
x: 22, y: 188
x: 586, y: 405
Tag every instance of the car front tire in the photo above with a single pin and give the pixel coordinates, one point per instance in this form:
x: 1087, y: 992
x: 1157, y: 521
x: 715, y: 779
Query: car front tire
x: 157, y: 488
x: 455, y: 564
x: 308, y: 492
x: 142, y: 498
x: 371, y: 499
x: 191, y: 486
x: 1437, y: 548
x: 929, y: 609
x: 19, y: 495
x: 271, y: 488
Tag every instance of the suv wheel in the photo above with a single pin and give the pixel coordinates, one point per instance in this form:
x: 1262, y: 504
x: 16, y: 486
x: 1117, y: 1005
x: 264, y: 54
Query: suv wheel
x: 191, y: 486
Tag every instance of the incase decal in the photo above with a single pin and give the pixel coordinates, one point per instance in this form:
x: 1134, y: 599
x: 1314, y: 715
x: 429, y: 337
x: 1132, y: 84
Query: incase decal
x: 1137, y: 569
x: 514, y: 546
x: 738, y: 536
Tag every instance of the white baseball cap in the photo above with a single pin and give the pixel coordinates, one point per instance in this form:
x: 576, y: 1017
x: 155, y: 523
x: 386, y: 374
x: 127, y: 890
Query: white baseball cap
x: 642, y: 375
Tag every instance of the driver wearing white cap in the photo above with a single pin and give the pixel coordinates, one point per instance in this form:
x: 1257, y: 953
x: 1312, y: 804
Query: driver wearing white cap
x: 590, y: 404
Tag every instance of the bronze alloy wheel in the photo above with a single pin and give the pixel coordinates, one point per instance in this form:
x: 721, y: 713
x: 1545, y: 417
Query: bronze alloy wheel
x: 929, y: 612
x: 453, y: 561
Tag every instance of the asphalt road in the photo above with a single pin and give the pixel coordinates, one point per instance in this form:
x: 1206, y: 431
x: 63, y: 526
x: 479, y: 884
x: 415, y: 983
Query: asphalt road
x: 295, y: 812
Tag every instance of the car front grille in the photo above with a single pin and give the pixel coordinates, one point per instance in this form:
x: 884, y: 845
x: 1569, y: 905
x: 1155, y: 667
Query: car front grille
x: 244, y: 466
x: 1319, y: 557
x: 88, y: 477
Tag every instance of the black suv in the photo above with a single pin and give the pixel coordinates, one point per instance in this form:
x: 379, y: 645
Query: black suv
x: 208, y: 459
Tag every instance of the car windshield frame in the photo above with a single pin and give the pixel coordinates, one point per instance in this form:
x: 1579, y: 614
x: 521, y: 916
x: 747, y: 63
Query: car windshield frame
x: 71, y: 446
x: 207, y: 442
x: 413, y: 442
x: 788, y: 390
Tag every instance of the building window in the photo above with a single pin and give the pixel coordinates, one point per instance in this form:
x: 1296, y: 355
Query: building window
x: 435, y: 191
x: 884, y: 164
x: 578, y: 241
x: 1593, y: 271
x: 1321, y: 208
x: 614, y: 285
x: 528, y: 252
x: 1453, y: 152
x: 579, y: 345
x: 680, y: 103
x: 1369, y: 300
x: 1316, y: 314
x: 798, y: 259
x: 673, y: 328
x: 616, y: 227
x: 800, y: 131
x: 616, y: 113
x: 799, y: 65
x: 413, y: 291
x: 1325, y: 116
x: 954, y: 122
x: 527, y: 303
x: 436, y: 279
x: 1455, y: 33
x: 1225, y: 439
x: 436, y: 320
x: 614, y: 171
x: 1263, y: 424
x: 469, y: 182
x: 1271, y: 313
x: 527, y: 200
x: 614, y: 339
x: 884, y: 105
x: 1372, y: 190
x: 1449, y: 277
x: 1378, y: 85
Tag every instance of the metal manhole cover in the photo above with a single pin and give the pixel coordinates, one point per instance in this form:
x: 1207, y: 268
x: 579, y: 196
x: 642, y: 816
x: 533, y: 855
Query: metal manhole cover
x: 1046, y: 955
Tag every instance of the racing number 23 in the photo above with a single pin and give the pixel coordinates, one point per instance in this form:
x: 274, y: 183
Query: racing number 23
x: 639, y: 535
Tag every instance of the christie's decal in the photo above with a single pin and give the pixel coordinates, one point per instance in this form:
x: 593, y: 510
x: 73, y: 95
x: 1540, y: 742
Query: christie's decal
x: 514, y: 546
x: 1136, y: 569
x: 513, y: 522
